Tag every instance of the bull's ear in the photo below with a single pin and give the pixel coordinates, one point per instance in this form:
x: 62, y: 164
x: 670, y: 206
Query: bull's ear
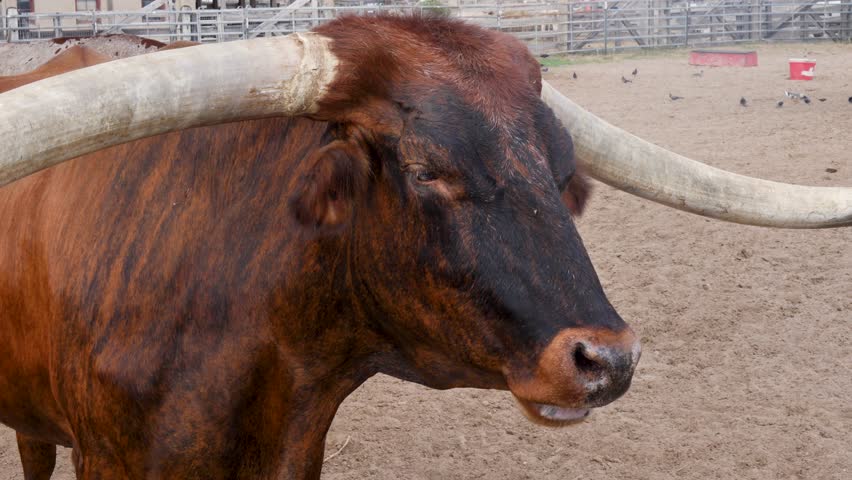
x: 336, y: 177
x: 575, y: 193
x: 559, y: 148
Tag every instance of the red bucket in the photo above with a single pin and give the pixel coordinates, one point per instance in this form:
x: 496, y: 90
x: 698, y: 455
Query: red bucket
x: 802, y: 69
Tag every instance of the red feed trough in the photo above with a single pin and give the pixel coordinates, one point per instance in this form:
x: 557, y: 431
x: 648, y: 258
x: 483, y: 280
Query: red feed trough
x: 723, y: 58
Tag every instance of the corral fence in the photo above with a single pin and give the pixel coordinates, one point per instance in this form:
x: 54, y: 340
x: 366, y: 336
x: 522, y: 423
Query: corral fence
x: 546, y: 26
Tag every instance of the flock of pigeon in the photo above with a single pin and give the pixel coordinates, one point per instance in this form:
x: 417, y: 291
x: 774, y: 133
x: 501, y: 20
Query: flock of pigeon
x: 795, y: 97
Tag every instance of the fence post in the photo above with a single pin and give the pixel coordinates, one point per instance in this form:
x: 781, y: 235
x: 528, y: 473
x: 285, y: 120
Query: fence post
x: 245, y: 24
x: 13, y: 24
x: 686, y: 28
x: 750, y: 32
x: 175, y: 24
x: 57, y: 26
x: 766, y: 24
x: 606, y: 26
x: 847, y: 20
x: 570, y: 26
x: 220, y: 27
x: 184, y: 24
x: 709, y: 23
x: 649, y: 15
x: 94, y: 23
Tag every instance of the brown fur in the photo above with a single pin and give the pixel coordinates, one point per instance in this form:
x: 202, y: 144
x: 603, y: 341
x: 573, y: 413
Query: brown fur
x: 198, y: 304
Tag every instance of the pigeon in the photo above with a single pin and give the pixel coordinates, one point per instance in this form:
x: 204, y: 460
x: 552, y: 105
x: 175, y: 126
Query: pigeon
x: 743, y: 101
x: 544, y: 55
x: 635, y: 72
x: 699, y: 74
x: 822, y: 99
x: 850, y: 99
x: 544, y: 69
x: 806, y: 99
x: 624, y: 80
x: 575, y: 78
x: 779, y: 104
x: 675, y: 97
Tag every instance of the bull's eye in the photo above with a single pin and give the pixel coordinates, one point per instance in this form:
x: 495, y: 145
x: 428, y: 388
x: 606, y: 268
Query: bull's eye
x: 421, y: 173
x: 426, y: 176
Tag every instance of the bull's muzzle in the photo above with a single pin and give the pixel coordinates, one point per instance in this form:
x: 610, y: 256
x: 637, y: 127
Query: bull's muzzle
x: 606, y: 369
x: 581, y: 368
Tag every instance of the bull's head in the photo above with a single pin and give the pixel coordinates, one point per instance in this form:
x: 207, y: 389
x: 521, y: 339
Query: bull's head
x: 447, y: 174
x: 441, y: 144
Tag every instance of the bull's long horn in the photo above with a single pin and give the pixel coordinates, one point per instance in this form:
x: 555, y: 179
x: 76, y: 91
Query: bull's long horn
x: 62, y: 117
x: 629, y: 163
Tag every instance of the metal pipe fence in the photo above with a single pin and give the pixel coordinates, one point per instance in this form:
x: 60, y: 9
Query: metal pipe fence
x: 546, y: 26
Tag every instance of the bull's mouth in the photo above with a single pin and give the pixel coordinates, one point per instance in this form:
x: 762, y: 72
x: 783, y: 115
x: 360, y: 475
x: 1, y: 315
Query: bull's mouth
x: 553, y: 415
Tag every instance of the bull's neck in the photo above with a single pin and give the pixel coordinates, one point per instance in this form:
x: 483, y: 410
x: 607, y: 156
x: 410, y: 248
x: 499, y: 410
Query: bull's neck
x: 325, y: 351
x: 314, y: 311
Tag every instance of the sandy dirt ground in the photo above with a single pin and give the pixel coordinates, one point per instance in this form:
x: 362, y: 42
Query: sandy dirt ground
x: 747, y: 331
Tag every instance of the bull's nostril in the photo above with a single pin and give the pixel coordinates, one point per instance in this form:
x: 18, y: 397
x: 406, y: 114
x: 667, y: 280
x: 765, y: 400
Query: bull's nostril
x: 587, y: 361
